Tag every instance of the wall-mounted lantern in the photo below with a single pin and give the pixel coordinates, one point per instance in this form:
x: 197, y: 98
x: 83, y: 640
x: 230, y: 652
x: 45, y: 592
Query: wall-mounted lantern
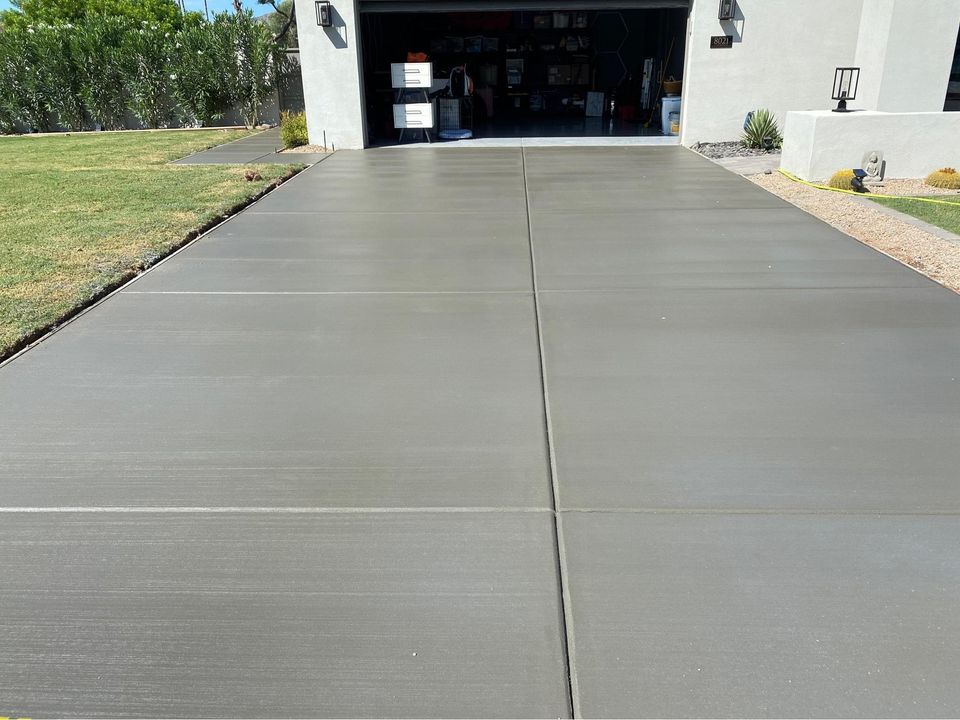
x: 845, y: 86
x: 324, y: 14
x: 728, y: 10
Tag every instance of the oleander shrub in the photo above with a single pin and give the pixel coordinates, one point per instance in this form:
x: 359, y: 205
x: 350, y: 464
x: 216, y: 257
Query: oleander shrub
x: 842, y: 180
x: 98, y: 43
x: 947, y: 178
x: 761, y: 131
x: 199, y: 59
x: 63, y: 71
x: 26, y: 76
x: 148, y: 74
x: 259, y: 62
x: 293, y: 129
x: 9, y: 100
x: 90, y: 69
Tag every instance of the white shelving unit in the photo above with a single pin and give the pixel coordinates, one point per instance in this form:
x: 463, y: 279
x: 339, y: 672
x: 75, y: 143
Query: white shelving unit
x: 412, y: 109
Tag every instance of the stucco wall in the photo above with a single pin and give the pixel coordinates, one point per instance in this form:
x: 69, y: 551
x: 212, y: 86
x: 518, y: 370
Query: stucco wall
x: 906, y: 48
x: 785, y: 53
x: 783, y: 58
x: 332, y: 79
x: 817, y: 144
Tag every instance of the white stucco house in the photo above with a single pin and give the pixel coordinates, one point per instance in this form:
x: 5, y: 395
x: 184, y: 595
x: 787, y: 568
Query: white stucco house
x: 534, y: 62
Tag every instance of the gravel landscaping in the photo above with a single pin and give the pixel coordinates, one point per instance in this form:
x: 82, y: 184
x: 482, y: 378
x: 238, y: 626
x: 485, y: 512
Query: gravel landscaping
x: 730, y: 149
x: 305, y: 149
x: 911, y: 187
x: 935, y: 257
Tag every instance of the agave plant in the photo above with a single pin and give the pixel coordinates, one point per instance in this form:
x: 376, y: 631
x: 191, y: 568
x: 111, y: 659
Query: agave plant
x: 761, y: 131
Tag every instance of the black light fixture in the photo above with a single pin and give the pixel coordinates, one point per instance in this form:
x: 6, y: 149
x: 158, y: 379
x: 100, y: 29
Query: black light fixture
x: 324, y: 14
x: 728, y: 10
x: 857, y: 182
x: 845, y: 86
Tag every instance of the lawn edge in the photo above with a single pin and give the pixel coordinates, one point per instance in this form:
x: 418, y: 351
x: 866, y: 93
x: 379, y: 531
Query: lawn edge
x: 36, y: 337
x: 910, y: 219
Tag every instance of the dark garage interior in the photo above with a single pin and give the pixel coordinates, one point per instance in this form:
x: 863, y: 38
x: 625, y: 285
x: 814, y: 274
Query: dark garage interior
x: 534, y: 73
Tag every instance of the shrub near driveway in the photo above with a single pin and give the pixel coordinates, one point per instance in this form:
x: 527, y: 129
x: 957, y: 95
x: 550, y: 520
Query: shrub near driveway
x: 293, y: 129
x: 80, y: 212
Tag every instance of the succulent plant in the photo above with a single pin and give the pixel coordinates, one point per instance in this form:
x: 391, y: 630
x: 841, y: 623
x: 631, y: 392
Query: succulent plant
x: 842, y: 180
x: 947, y: 178
x: 761, y: 131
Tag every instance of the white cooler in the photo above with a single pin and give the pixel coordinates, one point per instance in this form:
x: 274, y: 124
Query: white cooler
x: 669, y: 105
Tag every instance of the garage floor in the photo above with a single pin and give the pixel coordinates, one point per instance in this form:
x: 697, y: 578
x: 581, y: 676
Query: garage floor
x: 351, y: 454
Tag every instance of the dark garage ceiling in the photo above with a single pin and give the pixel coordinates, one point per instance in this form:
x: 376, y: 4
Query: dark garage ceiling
x: 495, y: 5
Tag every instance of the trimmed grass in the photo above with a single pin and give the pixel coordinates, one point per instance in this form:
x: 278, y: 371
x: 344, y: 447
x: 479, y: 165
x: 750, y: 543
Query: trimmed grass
x: 79, y: 212
x: 944, y: 216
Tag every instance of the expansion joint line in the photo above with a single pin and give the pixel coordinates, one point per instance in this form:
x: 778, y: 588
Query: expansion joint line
x: 566, y: 611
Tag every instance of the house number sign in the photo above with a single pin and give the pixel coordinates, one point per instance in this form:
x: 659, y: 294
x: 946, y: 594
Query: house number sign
x: 720, y: 42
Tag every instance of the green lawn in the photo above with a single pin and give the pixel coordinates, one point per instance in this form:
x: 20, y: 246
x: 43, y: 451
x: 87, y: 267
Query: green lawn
x: 80, y: 212
x: 944, y: 216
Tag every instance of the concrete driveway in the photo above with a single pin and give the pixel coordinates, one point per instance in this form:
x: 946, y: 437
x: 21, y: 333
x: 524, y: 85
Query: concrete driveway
x: 457, y: 432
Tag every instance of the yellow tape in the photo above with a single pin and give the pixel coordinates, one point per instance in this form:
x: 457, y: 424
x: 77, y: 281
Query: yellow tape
x: 872, y: 195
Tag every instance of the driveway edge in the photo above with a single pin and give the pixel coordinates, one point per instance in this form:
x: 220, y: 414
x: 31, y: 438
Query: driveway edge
x: 38, y: 336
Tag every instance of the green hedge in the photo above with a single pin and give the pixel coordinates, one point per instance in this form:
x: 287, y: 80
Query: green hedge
x: 90, y: 73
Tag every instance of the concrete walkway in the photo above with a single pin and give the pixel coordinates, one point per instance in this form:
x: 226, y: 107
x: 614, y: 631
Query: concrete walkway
x: 263, y: 147
x: 503, y: 432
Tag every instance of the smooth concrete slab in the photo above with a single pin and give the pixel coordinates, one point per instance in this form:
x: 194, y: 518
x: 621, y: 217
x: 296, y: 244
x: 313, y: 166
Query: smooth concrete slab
x: 773, y: 247
x: 814, y: 400
x: 751, y: 164
x: 600, y: 180
x: 343, y: 400
x: 245, y: 150
x: 296, y: 490
x: 299, y: 158
x: 403, y: 181
x: 597, y: 198
x: 354, y: 252
x: 497, y: 196
x: 227, y: 158
x: 686, y: 615
x: 254, y: 615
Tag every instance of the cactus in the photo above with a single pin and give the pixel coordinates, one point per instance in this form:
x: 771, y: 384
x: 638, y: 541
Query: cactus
x: 842, y: 180
x: 947, y: 178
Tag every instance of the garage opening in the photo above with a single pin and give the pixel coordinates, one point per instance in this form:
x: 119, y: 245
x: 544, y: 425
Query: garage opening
x: 530, y: 71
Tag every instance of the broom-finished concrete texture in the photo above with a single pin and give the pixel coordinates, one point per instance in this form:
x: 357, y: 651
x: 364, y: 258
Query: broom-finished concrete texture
x: 263, y: 147
x: 312, y: 465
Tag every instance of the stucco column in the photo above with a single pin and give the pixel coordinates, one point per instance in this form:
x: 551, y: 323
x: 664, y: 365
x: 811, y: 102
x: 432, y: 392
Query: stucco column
x: 332, y: 75
x: 905, y: 50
